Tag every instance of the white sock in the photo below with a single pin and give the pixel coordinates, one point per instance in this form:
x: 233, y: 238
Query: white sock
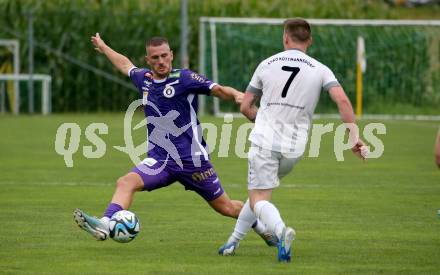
x: 105, y: 221
x: 245, y: 220
x: 270, y: 216
x: 259, y: 227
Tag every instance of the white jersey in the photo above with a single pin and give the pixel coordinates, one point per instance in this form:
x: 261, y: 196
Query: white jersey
x: 289, y: 84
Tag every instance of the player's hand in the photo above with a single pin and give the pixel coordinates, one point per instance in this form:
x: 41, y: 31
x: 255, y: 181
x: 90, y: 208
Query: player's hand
x: 360, y: 150
x: 98, y: 43
x: 238, y: 97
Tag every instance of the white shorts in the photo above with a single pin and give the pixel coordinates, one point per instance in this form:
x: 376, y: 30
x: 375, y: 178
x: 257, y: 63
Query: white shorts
x: 266, y: 167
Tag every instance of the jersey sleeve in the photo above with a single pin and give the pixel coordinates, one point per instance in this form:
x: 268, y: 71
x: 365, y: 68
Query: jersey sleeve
x: 256, y: 85
x: 328, y: 79
x: 196, y: 83
x: 137, y: 76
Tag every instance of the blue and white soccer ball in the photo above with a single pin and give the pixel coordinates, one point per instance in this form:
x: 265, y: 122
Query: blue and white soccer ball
x: 124, y: 226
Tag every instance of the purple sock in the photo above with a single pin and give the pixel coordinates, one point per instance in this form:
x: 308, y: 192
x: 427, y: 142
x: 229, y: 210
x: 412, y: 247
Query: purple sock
x: 112, y: 209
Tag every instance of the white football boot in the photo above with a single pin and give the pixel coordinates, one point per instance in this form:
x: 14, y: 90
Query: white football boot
x: 92, y: 225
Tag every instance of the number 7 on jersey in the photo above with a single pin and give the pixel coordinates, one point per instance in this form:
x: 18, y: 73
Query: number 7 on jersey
x: 295, y: 71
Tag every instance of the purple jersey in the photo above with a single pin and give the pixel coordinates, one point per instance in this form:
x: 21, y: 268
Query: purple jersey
x: 170, y: 106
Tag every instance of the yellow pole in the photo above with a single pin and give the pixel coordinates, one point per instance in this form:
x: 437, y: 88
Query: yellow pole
x: 6, y: 68
x: 358, y: 90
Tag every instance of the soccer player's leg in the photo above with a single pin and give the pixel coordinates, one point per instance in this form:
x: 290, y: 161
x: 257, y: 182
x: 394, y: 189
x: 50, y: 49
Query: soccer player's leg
x: 288, y: 234
x: 245, y: 221
x: 126, y: 186
x: 270, y: 216
x: 230, y: 208
x: 264, y: 172
x: 149, y: 175
x: 205, y: 182
x: 225, y: 206
x: 92, y: 225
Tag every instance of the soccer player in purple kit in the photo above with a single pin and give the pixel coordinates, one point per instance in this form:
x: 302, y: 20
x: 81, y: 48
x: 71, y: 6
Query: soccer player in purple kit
x: 177, y: 150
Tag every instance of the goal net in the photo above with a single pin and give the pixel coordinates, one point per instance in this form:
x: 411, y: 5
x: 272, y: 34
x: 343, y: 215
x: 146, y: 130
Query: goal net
x: 402, y: 56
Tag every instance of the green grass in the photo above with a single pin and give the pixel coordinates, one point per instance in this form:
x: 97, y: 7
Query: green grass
x: 377, y: 216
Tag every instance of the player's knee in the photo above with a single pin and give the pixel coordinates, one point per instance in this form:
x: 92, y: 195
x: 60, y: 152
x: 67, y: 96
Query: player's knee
x: 437, y: 160
x: 125, y: 184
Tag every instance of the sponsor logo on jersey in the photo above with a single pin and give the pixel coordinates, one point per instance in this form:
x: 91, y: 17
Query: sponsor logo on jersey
x: 198, y: 77
x: 136, y: 70
x: 175, y: 74
x: 201, y: 176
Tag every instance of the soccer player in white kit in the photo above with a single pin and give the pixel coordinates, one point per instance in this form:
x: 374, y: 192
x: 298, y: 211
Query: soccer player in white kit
x: 288, y: 85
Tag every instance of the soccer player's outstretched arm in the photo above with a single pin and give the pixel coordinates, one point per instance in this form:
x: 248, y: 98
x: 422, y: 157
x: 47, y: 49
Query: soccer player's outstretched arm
x: 122, y: 63
x: 227, y: 93
x: 344, y: 105
x: 248, y: 107
x: 347, y: 116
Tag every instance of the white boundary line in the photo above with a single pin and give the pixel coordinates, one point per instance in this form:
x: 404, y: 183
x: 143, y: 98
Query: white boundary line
x: 316, y: 21
x: 364, y: 116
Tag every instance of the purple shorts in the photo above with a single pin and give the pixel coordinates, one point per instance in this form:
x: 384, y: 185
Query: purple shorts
x: 203, y: 179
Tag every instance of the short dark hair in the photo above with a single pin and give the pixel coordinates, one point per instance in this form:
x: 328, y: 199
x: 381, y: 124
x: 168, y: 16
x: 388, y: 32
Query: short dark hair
x: 156, y: 41
x: 297, y: 29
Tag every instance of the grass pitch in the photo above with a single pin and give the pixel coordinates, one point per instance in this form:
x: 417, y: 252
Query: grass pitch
x: 350, y: 217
